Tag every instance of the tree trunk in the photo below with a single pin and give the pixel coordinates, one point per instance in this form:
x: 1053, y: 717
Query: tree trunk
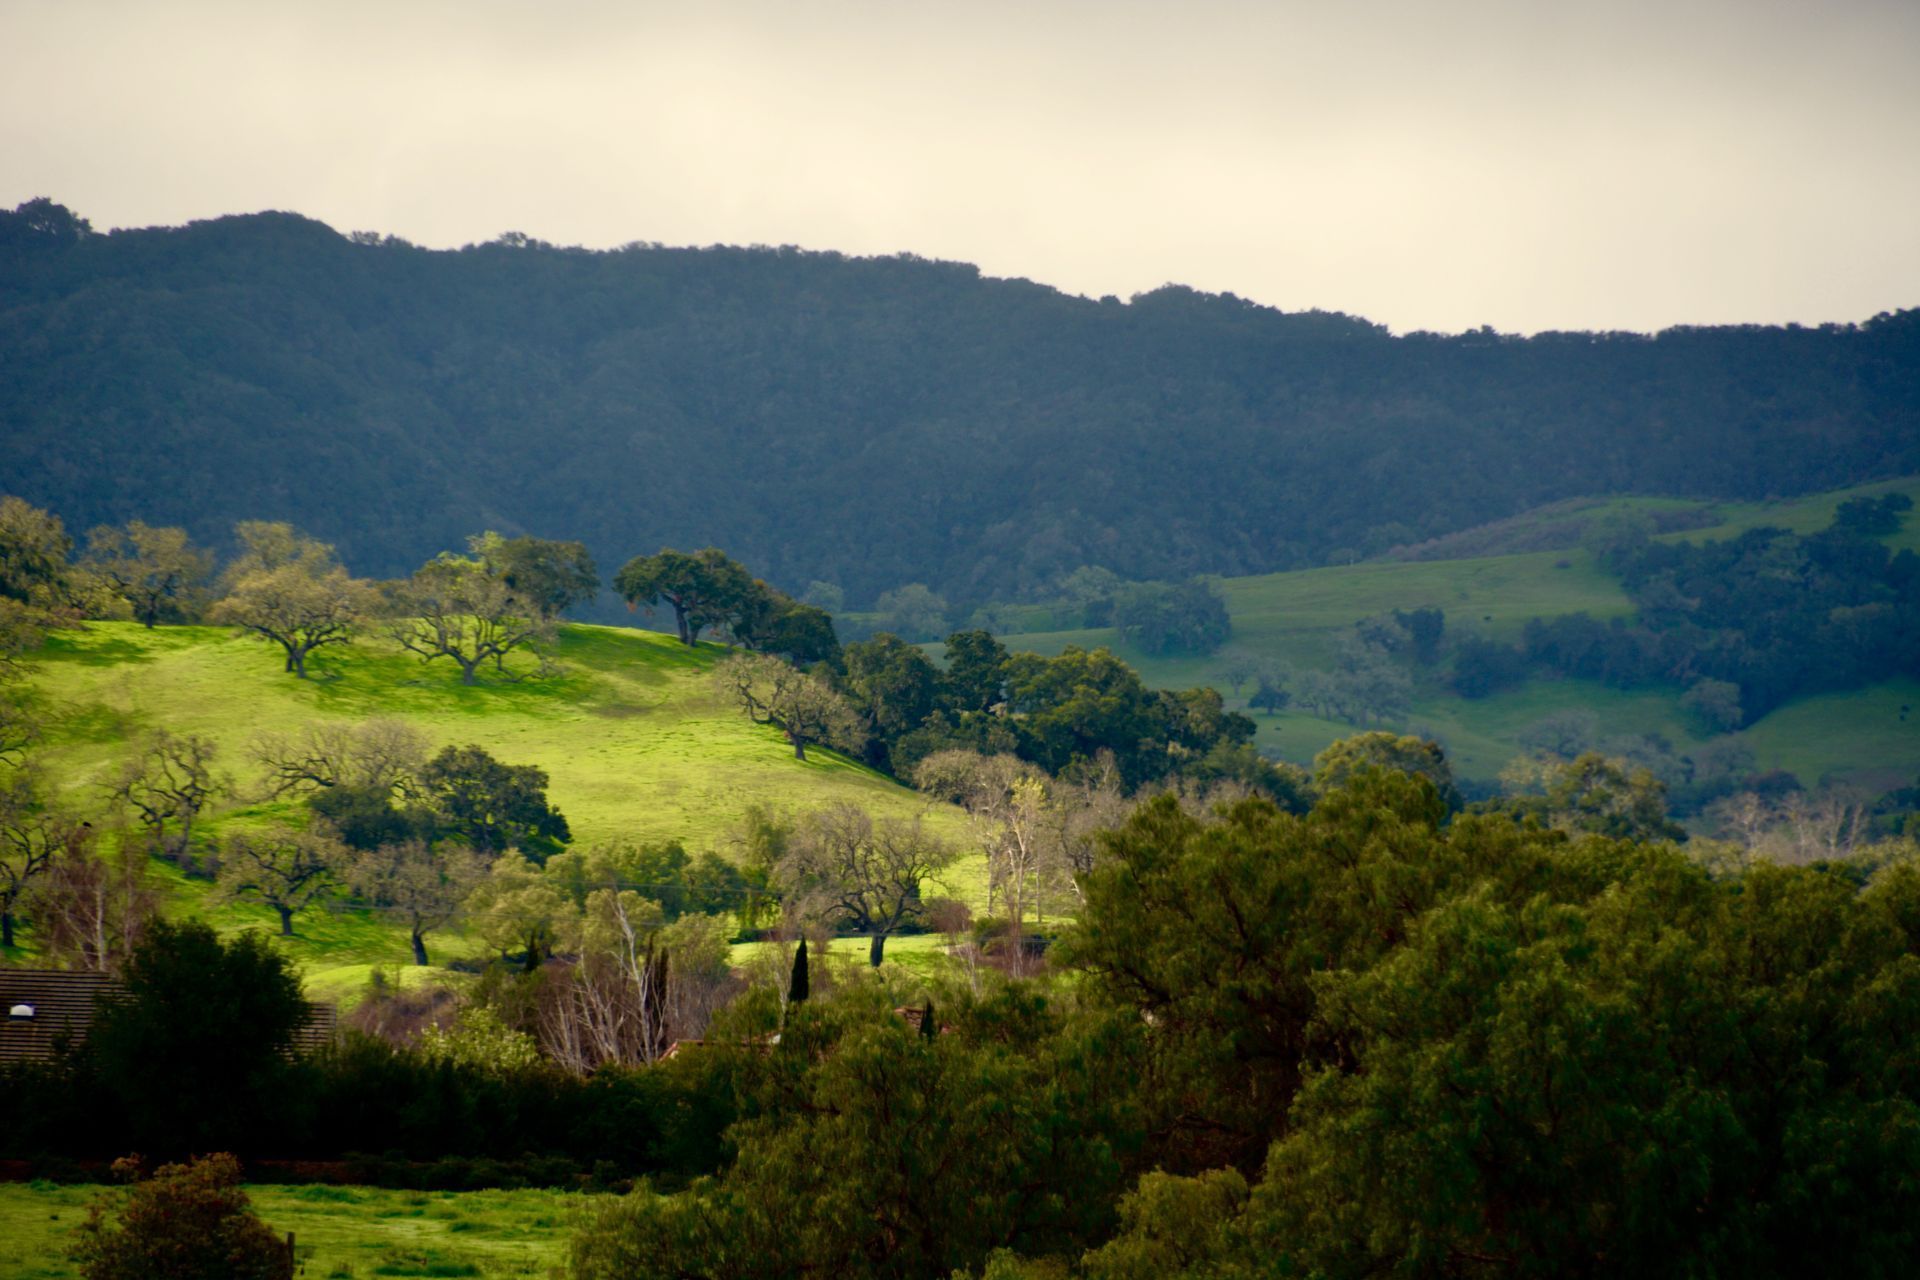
x: 419, y: 948
x: 297, y: 662
x: 6, y: 928
x: 877, y: 949
x: 799, y: 745
x: 286, y: 921
x: 680, y: 624
x: 467, y: 669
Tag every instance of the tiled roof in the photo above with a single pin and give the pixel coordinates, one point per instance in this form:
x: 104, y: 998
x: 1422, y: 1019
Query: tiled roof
x: 63, y: 1003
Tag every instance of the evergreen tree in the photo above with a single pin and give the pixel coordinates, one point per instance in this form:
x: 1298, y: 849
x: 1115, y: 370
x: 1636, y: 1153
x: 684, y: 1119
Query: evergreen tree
x: 797, y: 987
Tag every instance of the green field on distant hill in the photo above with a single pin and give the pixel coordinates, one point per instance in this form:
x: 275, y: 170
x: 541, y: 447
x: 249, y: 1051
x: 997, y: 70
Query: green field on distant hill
x: 1861, y: 736
x: 637, y: 743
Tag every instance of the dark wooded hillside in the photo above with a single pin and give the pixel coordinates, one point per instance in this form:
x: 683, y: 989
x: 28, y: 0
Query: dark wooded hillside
x: 863, y: 422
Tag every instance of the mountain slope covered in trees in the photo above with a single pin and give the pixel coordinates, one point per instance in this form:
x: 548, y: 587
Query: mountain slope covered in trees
x: 862, y: 422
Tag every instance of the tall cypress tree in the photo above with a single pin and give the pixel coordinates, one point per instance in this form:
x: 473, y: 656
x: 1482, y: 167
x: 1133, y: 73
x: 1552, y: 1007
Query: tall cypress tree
x: 797, y: 989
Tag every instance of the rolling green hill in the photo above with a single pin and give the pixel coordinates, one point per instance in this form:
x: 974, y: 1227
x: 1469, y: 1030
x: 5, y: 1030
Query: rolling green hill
x: 637, y: 744
x: 1863, y: 736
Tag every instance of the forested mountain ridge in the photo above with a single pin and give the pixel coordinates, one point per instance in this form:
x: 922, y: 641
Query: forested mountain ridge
x: 865, y: 422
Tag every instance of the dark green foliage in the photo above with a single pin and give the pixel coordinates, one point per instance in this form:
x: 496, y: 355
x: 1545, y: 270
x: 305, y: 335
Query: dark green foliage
x: 490, y: 806
x: 1483, y: 1048
x: 366, y: 818
x: 1775, y: 614
x: 1167, y: 618
x: 975, y: 678
x: 1872, y: 517
x: 187, y: 1222
x: 1073, y: 707
x: 893, y: 684
x: 1483, y: 667
x: 194, y: 1052
x: 868, y: 422
x: 803, y: 634
x: 878, y: 1152
x: 400, y: 1110
x: 1424, y: 627
x: 1269, y: 697
x: 704, y: 589
x: 552, y: 576
x: 799, y: 984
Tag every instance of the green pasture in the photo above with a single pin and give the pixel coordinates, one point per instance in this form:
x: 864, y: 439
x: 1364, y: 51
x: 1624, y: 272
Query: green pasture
x: 638, y: 744
x: 1809, y: 514
x: 340, y: 1233
x: 1297, y: 619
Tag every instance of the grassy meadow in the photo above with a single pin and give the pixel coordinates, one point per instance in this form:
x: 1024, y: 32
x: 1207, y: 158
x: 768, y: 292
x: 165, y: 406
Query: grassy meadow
x: 340, y: 1233
x: 1864, y: 737
x: 638, y: 744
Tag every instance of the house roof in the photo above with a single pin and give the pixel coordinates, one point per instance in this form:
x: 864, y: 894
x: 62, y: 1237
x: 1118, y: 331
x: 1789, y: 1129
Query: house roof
x: 63, y: 1003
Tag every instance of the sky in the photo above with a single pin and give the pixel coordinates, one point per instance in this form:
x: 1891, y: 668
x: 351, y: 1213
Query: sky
x: 1539, y: 165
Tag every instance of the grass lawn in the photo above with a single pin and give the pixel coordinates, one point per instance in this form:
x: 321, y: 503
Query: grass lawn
x: 340, y: 1233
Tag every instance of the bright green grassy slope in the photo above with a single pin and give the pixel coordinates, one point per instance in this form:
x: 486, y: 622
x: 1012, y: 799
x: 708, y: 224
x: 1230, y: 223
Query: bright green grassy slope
x: 339, y: 1232
x: 1296, y: 618
x: 636, y: 741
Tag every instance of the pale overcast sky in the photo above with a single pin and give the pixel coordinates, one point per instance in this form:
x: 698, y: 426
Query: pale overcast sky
x: 1528, y: 165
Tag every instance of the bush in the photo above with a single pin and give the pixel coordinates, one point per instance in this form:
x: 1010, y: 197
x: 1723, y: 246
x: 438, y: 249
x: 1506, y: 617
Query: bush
x: 187, y: 1222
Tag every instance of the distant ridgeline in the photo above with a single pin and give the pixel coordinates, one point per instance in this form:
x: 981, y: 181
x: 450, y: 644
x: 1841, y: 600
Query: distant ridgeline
x: 863, y: 423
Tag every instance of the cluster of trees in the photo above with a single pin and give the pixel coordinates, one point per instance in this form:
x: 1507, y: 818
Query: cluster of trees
x: 391, y: 826
x: 1743, y: 625
x: 894, y: 704
x: 913, y: 421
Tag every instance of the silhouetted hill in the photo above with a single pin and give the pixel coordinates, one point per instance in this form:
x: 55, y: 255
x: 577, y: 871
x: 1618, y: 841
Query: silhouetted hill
x: 862, y: 421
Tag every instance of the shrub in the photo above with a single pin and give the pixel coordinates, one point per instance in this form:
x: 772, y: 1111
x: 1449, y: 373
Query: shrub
x: 187, y: 1222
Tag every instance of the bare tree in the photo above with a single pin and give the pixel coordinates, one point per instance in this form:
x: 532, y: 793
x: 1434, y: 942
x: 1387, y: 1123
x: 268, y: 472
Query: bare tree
x: 92, y: 906
x: 799, y: 704
x: 610, y: 1004
x: 1083, y: 805
x: 378, y: 756
x: 168, y: 785
x: 32, y: 836
x: 1010, y: 804
x: 18, y: 729
x: 425, y: 887
x: 864, y: 874
x: 465, y: 612
x: 282, y: 867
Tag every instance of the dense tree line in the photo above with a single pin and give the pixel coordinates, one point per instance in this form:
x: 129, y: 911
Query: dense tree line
x: 906, y: 421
